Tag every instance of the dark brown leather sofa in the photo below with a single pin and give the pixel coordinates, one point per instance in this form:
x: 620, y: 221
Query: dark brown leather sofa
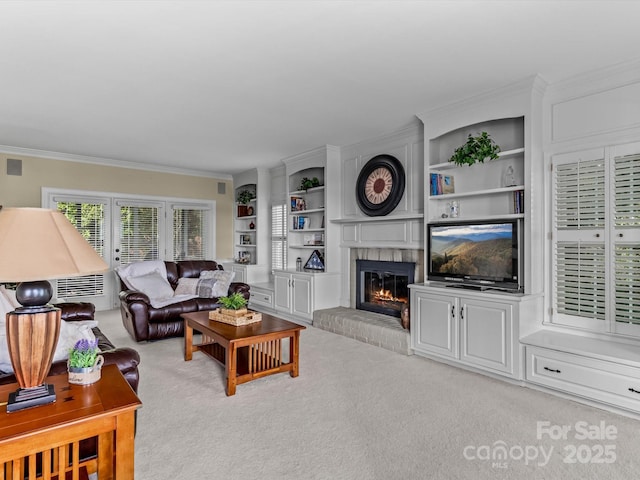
x: 144, y: 322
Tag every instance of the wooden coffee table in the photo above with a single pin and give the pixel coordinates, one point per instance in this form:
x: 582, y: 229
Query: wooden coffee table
x: 247, y: 352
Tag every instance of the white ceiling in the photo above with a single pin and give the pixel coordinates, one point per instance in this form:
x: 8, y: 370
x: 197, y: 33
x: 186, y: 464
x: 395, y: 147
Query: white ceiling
x: 224, y: 86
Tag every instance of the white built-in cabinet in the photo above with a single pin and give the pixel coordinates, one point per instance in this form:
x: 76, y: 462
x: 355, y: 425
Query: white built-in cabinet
x: 481, y: 329
x: 251, y: 228
x: 475, y: 329
x: 299, y: 291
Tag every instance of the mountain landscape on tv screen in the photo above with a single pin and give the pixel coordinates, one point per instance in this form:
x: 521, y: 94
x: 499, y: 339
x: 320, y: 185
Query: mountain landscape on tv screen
x: 487, y: 254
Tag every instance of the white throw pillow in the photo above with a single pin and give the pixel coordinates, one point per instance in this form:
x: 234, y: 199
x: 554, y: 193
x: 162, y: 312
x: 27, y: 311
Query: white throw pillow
x: 70, y: 333
x: 5, y: 361
x: 10, y: 295
x: 136, y: 269
x: 153, y: 285
x: 223, y: 280
x: 5, y: 307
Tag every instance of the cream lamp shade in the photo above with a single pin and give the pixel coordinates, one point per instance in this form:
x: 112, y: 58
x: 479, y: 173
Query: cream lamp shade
x: 41, y: 244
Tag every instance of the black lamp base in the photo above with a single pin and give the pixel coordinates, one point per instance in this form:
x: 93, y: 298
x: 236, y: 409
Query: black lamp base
x: 31, y: 397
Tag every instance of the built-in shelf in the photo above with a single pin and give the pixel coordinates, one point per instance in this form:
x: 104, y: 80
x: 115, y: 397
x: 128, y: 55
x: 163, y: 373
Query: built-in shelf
x: 311, y: 190
x: 486, y: 191
x: 388, y: 218
x: 478, y: 217
x: 501, y: 156
x: 310, y: 210
x: 305, y: 230
x: 246, y: 217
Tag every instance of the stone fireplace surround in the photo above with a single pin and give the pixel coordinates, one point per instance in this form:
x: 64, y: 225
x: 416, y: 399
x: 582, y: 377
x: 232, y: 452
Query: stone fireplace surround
x: 374, y: 328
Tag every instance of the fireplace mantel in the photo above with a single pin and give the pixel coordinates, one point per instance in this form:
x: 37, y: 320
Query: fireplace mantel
x: 388, y: 218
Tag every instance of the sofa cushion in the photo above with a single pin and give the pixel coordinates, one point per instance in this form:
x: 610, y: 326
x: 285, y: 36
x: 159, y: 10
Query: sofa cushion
x: 223, y: 280
x: 153, y: 284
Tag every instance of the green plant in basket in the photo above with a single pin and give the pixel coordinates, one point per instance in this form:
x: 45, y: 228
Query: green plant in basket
x: 235, y: 301
x: 83, y: 354
x: 476, y: 149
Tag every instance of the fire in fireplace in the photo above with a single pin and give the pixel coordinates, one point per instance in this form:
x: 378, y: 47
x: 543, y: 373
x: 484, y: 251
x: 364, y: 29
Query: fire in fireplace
x: 383, y: 287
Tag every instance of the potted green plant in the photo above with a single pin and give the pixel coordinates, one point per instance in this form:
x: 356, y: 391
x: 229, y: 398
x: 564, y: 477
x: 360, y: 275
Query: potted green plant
x: 85, y: 362
x: 476, y: 149
x: 234, y: 304
x: 305, y: 184
x: 245, y: 196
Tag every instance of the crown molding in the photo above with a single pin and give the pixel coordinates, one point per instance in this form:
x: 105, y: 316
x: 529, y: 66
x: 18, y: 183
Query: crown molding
x: 109, y: 162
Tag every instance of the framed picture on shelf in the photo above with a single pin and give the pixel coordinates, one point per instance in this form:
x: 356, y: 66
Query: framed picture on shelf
x: 244, y: 257
x: 315, y: 262
x: 245, y: 239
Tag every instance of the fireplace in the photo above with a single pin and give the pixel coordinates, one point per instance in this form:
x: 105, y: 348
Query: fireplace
x: 383, y: 287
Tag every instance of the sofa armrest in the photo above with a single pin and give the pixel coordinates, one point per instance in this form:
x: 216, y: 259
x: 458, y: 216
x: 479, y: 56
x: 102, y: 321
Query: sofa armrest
x: 129, y: 296
x: 76, y: 311
x: 240, y: 287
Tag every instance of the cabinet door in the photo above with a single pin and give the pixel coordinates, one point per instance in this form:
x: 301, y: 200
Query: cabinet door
x: 433, y: 324
x: 282, y: 291
x: 486, y: 334
x: 302, y: 300
x: 240, y: 273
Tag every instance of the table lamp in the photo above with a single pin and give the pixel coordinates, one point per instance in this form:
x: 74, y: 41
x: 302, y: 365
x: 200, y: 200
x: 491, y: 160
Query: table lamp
x: 37, y: 245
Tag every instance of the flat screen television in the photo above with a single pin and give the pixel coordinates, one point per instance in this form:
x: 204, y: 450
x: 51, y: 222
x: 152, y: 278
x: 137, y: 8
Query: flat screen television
x: 475, y: 254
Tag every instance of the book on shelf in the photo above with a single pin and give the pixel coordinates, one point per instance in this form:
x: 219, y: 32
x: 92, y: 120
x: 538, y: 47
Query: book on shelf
x: 300, y: 222
x: 297, y: 204
x: 441, y: 184
x: 518, y: 201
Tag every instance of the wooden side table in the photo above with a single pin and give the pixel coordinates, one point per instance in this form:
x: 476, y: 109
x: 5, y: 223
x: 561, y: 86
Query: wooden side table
x: 49, y: 435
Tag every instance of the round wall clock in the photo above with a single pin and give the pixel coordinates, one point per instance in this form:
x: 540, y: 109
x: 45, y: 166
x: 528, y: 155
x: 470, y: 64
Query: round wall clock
x: 380, y: 185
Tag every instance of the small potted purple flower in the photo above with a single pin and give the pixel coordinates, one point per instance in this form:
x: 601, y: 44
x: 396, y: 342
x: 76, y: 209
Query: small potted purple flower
x: 84, y: 362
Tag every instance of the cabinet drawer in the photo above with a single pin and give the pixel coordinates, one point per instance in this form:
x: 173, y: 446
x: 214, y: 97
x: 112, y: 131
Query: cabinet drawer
x: 262, y: 297
x: 600, y: 380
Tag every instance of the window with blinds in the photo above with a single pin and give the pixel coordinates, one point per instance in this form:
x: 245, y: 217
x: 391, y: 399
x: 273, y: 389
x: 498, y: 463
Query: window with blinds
x: 139, y: 239
x: 597, y: 241
x: 279, y: 236
x: 89, y: 220
x: 579, y: 253
x: 191, y: 235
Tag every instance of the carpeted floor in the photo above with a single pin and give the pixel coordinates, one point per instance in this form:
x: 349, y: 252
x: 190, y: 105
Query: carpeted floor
x: 361, y: 412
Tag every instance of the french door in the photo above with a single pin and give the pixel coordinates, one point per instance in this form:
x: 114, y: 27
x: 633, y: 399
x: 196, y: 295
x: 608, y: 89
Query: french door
x: 125, y: 230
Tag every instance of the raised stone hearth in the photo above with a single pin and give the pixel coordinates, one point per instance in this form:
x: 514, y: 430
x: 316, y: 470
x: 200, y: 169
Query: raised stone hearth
x: 368, y: 327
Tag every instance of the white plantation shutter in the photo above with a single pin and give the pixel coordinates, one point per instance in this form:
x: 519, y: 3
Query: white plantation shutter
x: 279, y: 236
x: 580, y: 195
x: 627, y: 191
x: 191, y: 233
x: 627, y: 283
x: 626, y: 248
x: 580, y: 279
x: 579, y: 252
x: 139, y: 239
x: 89, y: 220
